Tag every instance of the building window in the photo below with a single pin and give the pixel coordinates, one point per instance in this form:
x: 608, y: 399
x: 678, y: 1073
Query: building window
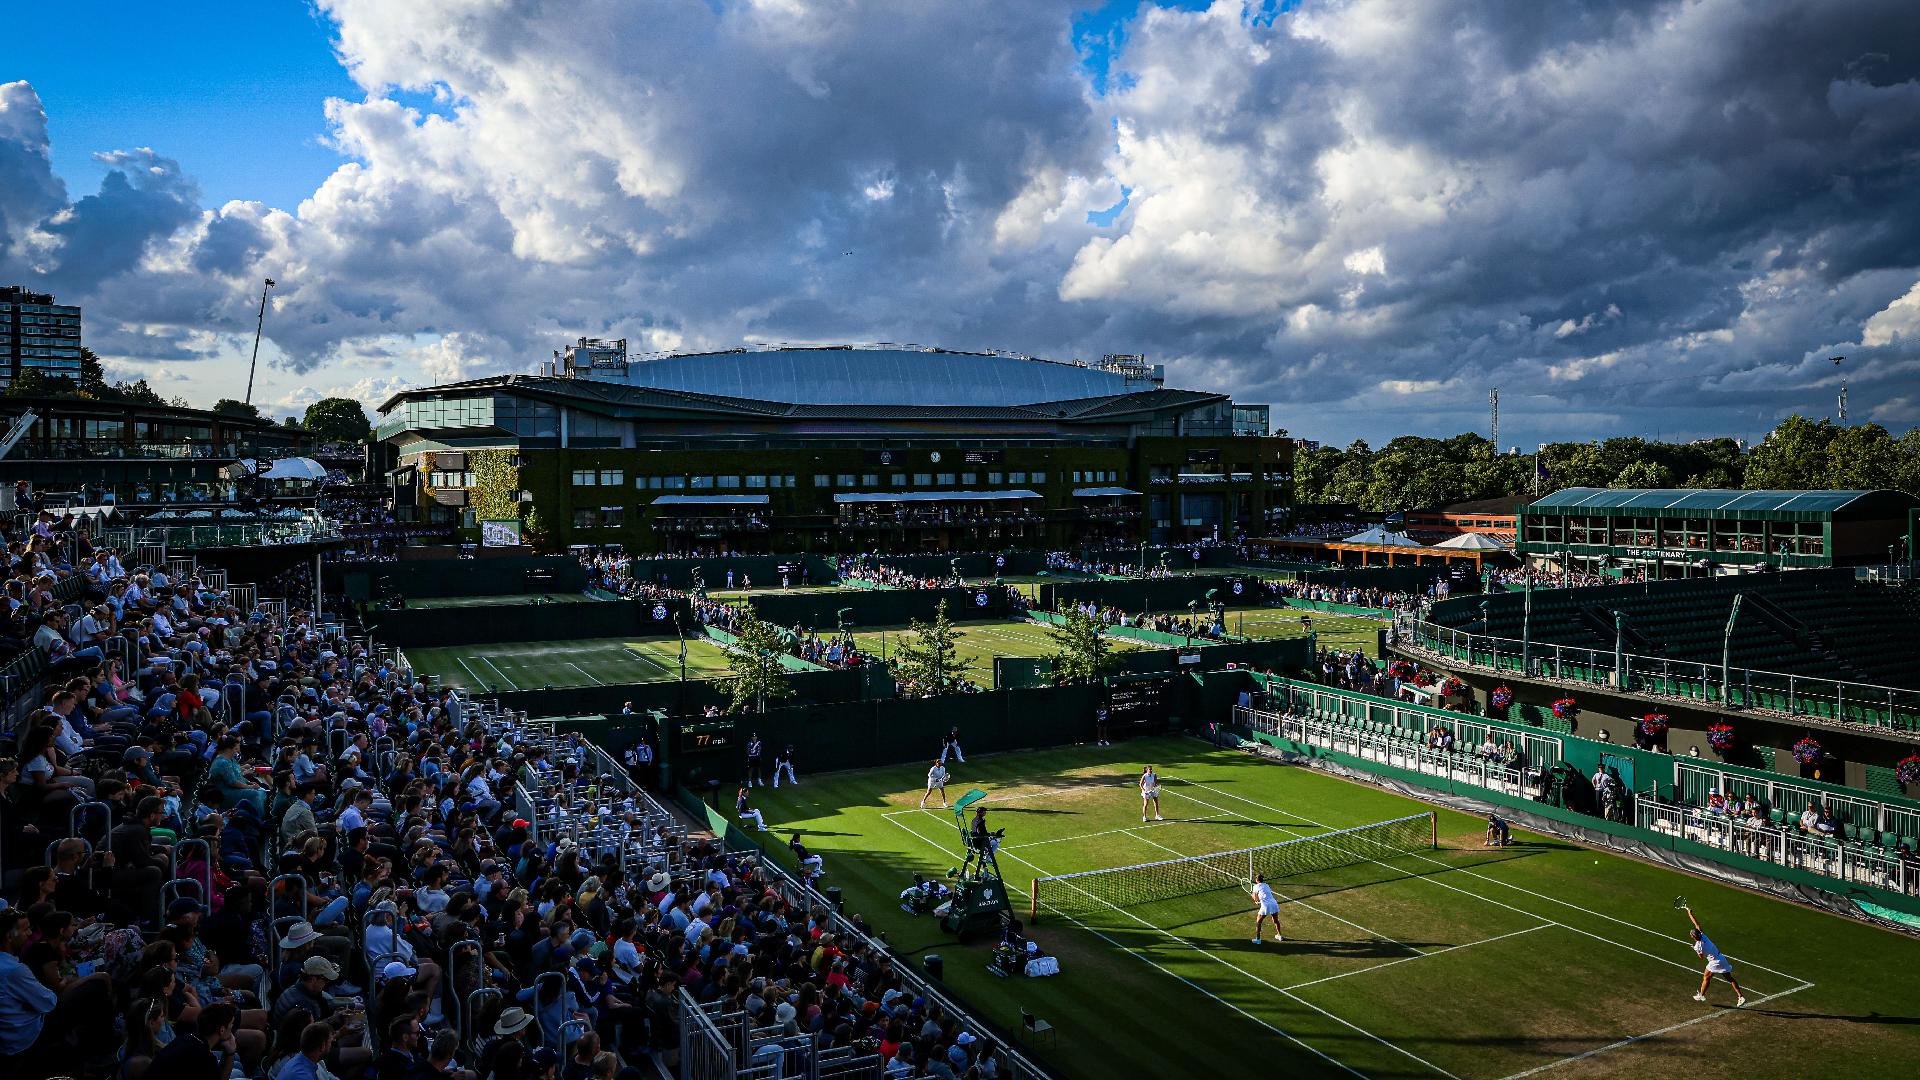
x: 760, y: 482
x: 703, y: 483
x: 613, y: 477
x: 1076, y: 476
x: 845, y: 479
x: 995, y: 479
x: 945, y: 479
x: 586, y: 518
x: 968, y: 479
x: 1039, y: 478
x: 730, y: 482
x: 1016, y: 478
x: 922, y: 479
x: 899, y: 479
x: 674, y: 483
x: 821, y: 479
x: 613, y: 517
x: 584, y: 477
x: 870, y: 480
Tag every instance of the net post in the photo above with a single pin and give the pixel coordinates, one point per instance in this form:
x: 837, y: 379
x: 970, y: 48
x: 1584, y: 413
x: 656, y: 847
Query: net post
x: 1033, y: 903
x: 1433, y: 819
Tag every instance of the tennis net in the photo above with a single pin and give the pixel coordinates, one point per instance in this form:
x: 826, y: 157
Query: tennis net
x: 1167, y: 879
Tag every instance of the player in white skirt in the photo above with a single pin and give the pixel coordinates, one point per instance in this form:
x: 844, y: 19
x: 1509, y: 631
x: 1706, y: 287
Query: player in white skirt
x: 1717, y: 963
x: 1265, y: 906
x: 1150, y: 793
x: 936, y: 781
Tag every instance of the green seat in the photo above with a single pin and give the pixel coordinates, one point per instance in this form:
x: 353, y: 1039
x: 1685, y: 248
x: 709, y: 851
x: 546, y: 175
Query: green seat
x: 1852, y: 831
x: 1776, y: 816
x: 1889, y: 839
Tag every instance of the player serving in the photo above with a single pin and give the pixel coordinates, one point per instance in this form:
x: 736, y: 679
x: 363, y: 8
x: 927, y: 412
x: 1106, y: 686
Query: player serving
x: 1150, y: 793
x: 1265, y: 906
x: 936, y: 781
x: 1717, y: 963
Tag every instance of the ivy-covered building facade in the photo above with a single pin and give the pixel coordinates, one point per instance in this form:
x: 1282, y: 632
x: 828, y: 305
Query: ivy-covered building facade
x: 832, y: 449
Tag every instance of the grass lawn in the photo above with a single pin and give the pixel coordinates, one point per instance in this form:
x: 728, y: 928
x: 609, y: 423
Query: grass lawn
x: 1342, y: 632
x: 497, y: 601
x: 772, y: 590
x: 589, y: 662
x: 980, y: 642
x: 1540, y: 959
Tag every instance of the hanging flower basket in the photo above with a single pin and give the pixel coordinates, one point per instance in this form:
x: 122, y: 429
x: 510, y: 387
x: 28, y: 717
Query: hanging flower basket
x: 1721, y: 738
x: 1653, y: 725
x: 1453, y: 688
x: 1565, y: 709
x: 1907, y: 769
x: 1502, y: 697
x: 1400, y: 669
x: 1807, y: 751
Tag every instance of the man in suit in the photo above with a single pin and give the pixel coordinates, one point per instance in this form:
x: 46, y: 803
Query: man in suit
x: 206, y: 1054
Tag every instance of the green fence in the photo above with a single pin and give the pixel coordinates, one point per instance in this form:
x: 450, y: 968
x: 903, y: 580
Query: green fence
x: 1153, y: 594
x: 973, y: 564
x: 529, y: 622
x: 810, y: 687
x: 499, y: 575
x: 1173, y: 558
x: 1278, y: 654
x: 786, y: 660
x: 891, y: 607
x: 765, y: 570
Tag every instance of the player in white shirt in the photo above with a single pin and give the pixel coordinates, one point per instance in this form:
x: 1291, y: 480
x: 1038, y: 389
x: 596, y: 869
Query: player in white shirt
x: 1717, y: 964
x: 1150, y: 793
x: 936, y: 781
x: 1265, y: 906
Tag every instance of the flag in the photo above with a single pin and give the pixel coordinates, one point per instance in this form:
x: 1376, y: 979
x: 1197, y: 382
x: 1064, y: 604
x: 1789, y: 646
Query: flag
x: 271, y: 282
x: 1540, y: 469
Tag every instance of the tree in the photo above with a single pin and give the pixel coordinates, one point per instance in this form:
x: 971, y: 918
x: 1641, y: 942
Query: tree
x: 93, y: 377
x: 928, y: 656
x: 754, y: 658
x: 1082, y: 652
x: 32, y: 382
x: 229, y: 407
x: 1643, y: 474
x: 338, y: 419
x: 1793, y: 455
x: 1863, y: 457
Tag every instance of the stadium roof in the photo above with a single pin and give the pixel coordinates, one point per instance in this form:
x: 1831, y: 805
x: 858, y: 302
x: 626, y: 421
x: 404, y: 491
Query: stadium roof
x: 932, y: 496
x: 619, y: 399
x: 711, y: 500
x: 1710, y: 499
x: 1473, y: 542
x: 839, y: 375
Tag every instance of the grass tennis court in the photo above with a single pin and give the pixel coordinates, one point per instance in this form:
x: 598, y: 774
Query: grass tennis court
x: 432, y: 602
x: 980, y: 642
x: 1544, y: 958
x: 588, y: 662
x: 1343, y: 632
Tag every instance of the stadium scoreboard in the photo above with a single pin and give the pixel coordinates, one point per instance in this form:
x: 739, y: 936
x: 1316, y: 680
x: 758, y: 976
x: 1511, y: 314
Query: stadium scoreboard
x: 1138, y: 706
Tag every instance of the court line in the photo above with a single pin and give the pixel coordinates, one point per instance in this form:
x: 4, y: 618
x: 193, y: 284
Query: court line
x: 1450, y: 887
x: 496, y: 670
x: 1517, y: 888
x: 1375, y: 934
x: 1092, y: 835
x: 1714, y: 1015
x: 638, y: 655
x: 478, y: 682
x: 1404, y: 959
x: 1157, y: 966
x: 991, y: 798
x: 1230, y: 966
x: 585, y: 672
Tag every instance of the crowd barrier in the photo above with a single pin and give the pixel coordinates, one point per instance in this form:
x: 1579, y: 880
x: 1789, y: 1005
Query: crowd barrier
x: 531, y: 621
x: 501, y: 575
x: 890, y: 607
x: 1154, y: 594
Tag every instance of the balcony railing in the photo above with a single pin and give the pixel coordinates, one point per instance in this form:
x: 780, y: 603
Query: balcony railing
x: 1835, y: 700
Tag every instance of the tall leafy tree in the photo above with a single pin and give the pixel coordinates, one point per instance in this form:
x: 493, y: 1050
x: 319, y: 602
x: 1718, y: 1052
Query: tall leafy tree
x: 758, y: 676
x: 928, y: 656
x: 1082, y: 652
x: 338, y: 419
x: 230, y: 407
x: 1793, y: 455
x: 1643, y: 474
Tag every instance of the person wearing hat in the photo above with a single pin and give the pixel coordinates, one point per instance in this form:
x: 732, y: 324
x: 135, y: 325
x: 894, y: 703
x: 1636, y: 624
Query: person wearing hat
x: 302, y: 942
x: 514, y: 1027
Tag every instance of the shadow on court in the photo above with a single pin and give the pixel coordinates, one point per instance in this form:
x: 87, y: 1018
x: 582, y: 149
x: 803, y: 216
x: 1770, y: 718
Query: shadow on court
x: 1345, y: 950
x: 1867, y: 1018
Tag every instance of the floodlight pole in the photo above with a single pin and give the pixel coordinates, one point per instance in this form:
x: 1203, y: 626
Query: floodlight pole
x: 1726, y: 653
x: 259, y: 325
x: 1619, y: 648
x: 1526, y: 626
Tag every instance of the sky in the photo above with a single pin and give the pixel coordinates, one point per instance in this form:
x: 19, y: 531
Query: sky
x: 1655, y: 218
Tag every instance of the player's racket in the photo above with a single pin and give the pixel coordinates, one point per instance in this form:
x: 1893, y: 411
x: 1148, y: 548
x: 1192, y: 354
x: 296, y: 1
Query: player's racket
x: 1680, y: 903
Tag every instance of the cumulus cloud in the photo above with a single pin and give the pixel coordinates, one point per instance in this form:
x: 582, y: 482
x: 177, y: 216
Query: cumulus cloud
x: 1664, y: 214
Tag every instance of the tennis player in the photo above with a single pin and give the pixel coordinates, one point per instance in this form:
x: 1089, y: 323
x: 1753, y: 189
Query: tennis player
x: 1717, y: 964
x: 1150, y: 793
x: 1265, y: 906
x: 936, y: 781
